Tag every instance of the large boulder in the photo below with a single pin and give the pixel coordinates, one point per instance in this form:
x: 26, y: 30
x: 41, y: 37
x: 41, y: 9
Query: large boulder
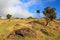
x: 23, y: 32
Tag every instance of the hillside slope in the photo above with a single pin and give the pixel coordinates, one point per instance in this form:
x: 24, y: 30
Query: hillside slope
x: 49, y: 32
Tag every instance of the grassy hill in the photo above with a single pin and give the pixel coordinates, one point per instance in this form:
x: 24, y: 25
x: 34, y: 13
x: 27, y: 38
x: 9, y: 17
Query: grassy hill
x: 49, y: 32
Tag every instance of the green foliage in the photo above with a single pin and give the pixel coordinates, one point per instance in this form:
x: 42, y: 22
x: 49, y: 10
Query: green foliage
x: 38, y: 11
x: 50, y: 13
x: 8, y: 16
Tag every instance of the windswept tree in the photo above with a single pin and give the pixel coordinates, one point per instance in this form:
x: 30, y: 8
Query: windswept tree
x: 49, y: 13
x: 8, y: 16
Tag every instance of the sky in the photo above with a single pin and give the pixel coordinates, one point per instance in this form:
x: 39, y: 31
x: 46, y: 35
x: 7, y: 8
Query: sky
x: 26, y: 8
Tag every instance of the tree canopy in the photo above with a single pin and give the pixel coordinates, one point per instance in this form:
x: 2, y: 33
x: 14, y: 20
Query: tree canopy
x: 8, y: 16
x: 50, y: 13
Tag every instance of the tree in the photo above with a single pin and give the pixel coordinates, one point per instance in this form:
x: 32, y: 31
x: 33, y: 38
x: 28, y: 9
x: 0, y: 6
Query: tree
x: 50, y: 14
x: 8, y: 16
x: 38, y: 11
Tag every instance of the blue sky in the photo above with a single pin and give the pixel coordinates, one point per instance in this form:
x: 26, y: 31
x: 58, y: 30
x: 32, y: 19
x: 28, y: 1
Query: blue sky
x: 45, y: 3
x: 26, y: 8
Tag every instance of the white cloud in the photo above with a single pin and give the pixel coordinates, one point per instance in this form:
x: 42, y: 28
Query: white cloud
x: 7, y: 6
x: 20, y: 9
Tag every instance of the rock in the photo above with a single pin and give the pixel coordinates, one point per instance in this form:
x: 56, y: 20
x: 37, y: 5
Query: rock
x: 23, y: 32
x: 45, y: 32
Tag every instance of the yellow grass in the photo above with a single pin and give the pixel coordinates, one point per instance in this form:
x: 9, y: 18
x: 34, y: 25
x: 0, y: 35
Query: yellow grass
x: 6, y: 27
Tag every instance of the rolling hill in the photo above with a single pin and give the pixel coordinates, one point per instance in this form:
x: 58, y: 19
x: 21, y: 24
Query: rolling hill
x: 36, y: 29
